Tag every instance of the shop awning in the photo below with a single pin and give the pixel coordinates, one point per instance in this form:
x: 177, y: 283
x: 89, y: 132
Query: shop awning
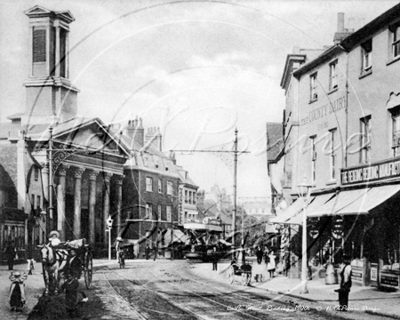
x: 374, y: 197
x: 314, y: 206
x: 177, y: 236
x: 290, y: 212
x: 336, y: 204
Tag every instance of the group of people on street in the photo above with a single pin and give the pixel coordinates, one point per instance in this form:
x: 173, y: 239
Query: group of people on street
x: 269, y: 258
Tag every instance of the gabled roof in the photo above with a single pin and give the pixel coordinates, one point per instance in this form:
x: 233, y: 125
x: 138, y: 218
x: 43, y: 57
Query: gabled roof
x: 185, y: 178
x: 274, y: 141
x: 39, y: 11
x: 91, y: 134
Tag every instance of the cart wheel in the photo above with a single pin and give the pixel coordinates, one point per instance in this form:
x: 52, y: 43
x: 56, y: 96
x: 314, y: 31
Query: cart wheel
x: 231, y: 275
x: 88, y: 271
x: 246, y: 278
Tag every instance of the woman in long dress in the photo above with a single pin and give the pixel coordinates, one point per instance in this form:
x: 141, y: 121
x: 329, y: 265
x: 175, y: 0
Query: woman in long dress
x: 271, y: 265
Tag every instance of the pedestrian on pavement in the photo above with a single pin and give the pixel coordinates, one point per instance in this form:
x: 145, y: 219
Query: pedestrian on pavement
x: 271, y: 265
x: 259, y: 254
x: 30, y: 266
x: 286, y: 265
x: 147, y: 252
x: 10, y: 254
x: 73, y: 271
x: 345, y: 284
x: 214, y: 258
x: 154, y: 252
x: 17, y: 291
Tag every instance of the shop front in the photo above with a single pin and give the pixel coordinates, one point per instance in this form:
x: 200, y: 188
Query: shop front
x: 372, y: 222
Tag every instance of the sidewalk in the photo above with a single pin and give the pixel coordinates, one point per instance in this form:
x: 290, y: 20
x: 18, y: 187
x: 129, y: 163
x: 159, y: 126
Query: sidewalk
x: 34, y: 288
x: 361, y: 299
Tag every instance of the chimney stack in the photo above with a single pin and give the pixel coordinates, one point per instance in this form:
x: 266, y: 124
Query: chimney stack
x: 341, y: 32
x: 135, y: 131
x: 154, y: 137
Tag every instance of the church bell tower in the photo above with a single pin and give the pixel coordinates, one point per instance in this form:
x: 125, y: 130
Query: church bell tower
x: 50, y: 96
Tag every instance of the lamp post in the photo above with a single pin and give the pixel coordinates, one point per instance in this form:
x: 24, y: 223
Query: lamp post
x: 304, y: 190
x: 109, y: 225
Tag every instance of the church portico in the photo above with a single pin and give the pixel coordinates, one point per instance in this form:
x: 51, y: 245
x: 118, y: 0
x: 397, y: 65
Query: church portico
x: 84, y: 199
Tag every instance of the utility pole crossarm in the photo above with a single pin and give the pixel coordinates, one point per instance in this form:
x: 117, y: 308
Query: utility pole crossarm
x: 212, y: 151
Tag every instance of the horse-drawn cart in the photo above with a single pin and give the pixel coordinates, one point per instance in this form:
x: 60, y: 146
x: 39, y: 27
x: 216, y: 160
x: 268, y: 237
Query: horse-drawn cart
x: 55, y: 260
x: 243, y: 271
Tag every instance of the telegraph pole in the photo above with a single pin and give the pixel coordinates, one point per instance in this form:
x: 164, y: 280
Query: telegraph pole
x: 234, y: 193
x: 235, y: 160
x: 50, y: 155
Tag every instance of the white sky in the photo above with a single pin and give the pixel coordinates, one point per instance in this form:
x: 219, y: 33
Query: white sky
x: 196, y: 69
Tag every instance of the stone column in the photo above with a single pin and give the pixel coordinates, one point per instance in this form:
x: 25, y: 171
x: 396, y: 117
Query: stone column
x: 106, y: 207
x: 77, y: 202
x: 119, y: 202
x: 57, y: 49
x: 92, y: 205
x: 61, y: 219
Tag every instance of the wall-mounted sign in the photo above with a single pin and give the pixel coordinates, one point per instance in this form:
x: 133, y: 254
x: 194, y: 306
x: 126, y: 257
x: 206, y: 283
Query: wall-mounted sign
x: 374, y: 273
x: 337, y: 227
x: 324, y: 110
x: 389, y: 280
x: 378, y: 171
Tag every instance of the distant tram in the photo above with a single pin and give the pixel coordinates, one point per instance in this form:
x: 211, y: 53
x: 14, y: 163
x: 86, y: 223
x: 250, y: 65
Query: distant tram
x: 203, y: 236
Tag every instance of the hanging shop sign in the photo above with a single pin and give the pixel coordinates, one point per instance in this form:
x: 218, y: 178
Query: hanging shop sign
x: 377, y: 171
x: 314, y: 228
x: 337, y: 227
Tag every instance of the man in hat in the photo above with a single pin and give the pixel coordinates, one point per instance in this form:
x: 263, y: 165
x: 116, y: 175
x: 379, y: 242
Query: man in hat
x: 73, y: 271
x: 345, y: 284
x: 10, y: 254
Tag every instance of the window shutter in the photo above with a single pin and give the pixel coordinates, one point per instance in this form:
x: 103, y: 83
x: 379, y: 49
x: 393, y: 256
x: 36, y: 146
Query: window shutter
x: 39, y: 45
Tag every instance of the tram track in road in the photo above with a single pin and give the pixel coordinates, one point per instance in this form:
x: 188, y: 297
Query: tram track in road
x: 196, y: 303
x: 171, y: 291
x: 168, y: 309
x: 186, y: 300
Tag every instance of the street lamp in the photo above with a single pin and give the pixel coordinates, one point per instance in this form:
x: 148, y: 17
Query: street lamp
x: 304, y: 190
x: 109, y: 225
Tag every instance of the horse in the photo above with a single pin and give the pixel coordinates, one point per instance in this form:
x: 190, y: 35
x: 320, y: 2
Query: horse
x: 53, y: 263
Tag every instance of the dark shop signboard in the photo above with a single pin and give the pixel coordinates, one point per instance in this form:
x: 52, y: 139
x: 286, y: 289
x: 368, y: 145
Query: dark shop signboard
x: 376, y: 171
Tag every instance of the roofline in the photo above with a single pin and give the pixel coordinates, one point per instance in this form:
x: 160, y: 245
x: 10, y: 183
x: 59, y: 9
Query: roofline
x: 278, y: 157
x: 375, y: 25
x: 105, y: 128
x: 286, y: 74
x: 326, y: 55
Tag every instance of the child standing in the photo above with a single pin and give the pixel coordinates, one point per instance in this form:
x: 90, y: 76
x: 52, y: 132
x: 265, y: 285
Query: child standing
x: 17, y: 291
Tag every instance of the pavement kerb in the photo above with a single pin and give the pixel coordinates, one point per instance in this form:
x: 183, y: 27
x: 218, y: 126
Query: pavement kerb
x: 221, y: 277
x: 382, y: 314
x: 98, y: 263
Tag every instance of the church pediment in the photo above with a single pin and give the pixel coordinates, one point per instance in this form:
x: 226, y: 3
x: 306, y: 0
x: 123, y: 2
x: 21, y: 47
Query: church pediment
x: 37, y: 10
x: 92, y: 136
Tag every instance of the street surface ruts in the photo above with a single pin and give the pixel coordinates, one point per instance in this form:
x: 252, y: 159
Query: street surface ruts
x: 168, y: 290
